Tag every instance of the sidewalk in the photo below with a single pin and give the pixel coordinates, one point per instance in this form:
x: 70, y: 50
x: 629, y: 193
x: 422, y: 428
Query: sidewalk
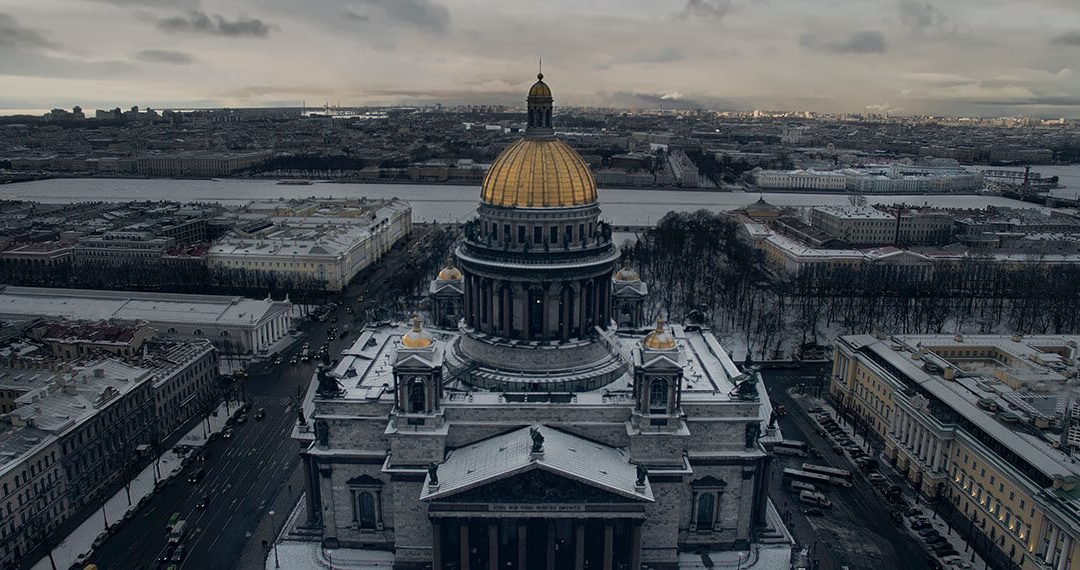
x: 118, y: 509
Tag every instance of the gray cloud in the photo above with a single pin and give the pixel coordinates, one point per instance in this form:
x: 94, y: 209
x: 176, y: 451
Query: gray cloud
x: 151, y: 3
x: 664, y: 55
x: 1067, y: 39
x: 714, y: 9
x: 15, y: 35
x: 861, y: 42
x: 422, y: 14
x: 164, y: 56
x: 920, y: 16
x: 202, y: 23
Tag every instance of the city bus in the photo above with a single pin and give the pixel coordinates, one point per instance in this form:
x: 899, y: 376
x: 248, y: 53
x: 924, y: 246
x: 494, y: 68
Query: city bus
x: 790, y: 447
x: 806, y: 477
x: 842, y: 476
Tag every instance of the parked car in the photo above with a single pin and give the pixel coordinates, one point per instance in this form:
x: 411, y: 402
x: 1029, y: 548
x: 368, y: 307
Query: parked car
x: 877, y: 478
x: 912, y: 512
x: 172, y: 521
x: 918, y: 524
x: 813, y: 512
x: 178, y: 554
x: 241, y: 419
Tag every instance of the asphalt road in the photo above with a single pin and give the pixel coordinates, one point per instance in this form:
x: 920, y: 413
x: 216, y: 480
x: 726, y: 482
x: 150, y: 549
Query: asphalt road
x: 857, y: 531
x: 247, y: 472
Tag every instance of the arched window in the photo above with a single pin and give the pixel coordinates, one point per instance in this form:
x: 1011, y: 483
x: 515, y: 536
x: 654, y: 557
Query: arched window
x: 417, y: 396
x: 225, y: 334
x: 706, y: 511
x: 366, y: 510
x: 658, y: 395
x: 197, y: 332
x: 172, y: 330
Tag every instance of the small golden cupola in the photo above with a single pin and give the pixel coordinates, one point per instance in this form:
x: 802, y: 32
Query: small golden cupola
x: 417, y: 337
x: 626, y: 274
x: 659, y: 339
x: 450, y: 273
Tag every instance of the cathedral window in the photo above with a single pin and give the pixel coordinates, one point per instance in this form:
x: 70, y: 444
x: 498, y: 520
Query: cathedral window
x: 706, y: 511
x: 538, y: 234
x: 658, y: 395
x: 366, y: 514
x: 554, y: 234
x: 417, y: 396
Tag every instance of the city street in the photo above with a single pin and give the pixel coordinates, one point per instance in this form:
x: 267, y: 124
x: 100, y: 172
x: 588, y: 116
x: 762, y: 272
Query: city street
x: 245, y: 473
x: 857, y: 531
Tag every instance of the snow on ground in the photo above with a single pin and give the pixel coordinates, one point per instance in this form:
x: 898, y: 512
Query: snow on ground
x: 81, y: 540
x: 308, y: 555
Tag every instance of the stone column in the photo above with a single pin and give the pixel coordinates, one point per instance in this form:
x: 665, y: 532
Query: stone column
x: 436, y: 544
x: 464, y: 534
x: 581, y: 310
x: 1065, y: 546
x: 312, y: 495
x: 635, y: 546
x: 579, y: 545
x: 493, y: 546
x: 526, y: 318
x: 506, y: 311
x: 1049, y: 556
x: 550, y: 546
x: 609, y: 545
x: 522, y: 538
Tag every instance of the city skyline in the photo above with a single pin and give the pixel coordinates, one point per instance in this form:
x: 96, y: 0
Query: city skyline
x: 888, y: 56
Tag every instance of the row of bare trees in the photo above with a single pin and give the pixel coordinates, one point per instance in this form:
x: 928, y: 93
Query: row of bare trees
x: 694, y: 262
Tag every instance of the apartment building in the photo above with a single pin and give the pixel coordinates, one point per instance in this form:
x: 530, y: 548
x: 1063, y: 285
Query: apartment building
x: 976, y: 421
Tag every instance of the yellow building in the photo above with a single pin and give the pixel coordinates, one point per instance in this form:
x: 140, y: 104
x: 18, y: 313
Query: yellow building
x: 974, y: 421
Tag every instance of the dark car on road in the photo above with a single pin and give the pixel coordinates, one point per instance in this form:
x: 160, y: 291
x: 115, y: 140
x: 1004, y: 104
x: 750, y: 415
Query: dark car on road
x: 196, y: 475
x: 260, y: 414
x: 204, y: 501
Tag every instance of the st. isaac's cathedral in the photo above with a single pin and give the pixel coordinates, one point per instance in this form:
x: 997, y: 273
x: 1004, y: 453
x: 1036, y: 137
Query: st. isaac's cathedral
x: 538, y: 421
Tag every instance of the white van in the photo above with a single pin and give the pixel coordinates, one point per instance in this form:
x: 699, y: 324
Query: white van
x: 815, y: 499
x: 178, y: 532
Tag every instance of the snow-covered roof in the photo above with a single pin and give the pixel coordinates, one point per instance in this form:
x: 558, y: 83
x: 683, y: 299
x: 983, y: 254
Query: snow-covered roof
x: 133, y: 306
x: 564, y: 454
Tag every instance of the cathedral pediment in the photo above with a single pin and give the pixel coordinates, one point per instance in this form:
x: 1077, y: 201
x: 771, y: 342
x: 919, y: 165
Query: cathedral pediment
x: 537, y: 484
x: 505, y: 463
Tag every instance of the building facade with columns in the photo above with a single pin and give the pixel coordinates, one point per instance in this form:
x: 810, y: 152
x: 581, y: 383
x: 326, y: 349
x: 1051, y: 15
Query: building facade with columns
x: 975, y: 421
x: 536, y: 434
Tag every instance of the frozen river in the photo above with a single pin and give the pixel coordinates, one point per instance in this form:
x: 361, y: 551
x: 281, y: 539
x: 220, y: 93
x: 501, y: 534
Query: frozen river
x: 455, y: 203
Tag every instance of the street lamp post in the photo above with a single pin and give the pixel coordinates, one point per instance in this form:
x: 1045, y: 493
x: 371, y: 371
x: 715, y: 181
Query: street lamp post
x: 273, y: 540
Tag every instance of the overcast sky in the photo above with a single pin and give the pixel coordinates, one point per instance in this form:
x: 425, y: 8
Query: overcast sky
x: 989, y: 57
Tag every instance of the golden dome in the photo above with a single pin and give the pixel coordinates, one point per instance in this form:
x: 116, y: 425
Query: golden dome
x: 540, y: 89
x: 659, y: 339
x: 538, y: 173
x: 450, y: 273
x: 417, y: 337
x: 627, y: 274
